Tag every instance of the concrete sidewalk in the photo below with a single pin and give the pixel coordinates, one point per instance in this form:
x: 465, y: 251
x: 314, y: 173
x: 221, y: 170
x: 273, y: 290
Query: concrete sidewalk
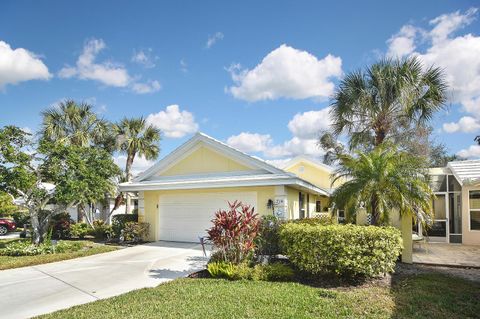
x: 31, y: 291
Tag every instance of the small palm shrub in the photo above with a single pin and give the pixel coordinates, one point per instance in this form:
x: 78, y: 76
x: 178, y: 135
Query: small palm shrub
x: 101, y: 230
x: 80, y: 230
x: 234, y: 231
x: 244, y: 271
x: 135, y: 232
x: 221, y: 269
x: 345, y: 250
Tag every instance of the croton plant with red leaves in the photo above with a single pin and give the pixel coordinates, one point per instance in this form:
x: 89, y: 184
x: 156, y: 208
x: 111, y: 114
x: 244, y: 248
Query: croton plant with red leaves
x: 234, y: 231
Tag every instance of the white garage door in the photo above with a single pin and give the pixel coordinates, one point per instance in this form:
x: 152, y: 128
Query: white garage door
x: 186, y: 217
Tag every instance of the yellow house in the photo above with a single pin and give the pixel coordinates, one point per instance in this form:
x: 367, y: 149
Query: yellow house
x: 179, y: 195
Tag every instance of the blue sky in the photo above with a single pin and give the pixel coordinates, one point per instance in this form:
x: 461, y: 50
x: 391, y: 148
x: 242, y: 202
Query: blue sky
x: 257, y: 75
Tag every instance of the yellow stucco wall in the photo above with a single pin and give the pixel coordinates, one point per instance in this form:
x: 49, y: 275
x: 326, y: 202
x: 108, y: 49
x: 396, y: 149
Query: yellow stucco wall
x: 469, y: 237
x: 152, y: 198
x: 311, y: 173
x: 204, y: 160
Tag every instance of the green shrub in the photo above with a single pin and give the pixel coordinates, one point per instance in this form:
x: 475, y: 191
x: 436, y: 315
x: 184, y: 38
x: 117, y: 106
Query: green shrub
x: 101, y: 230
x: 25, y: 248
x: 243, y: 271
x: 346, y: 250
x: 119, y: 221
x: 80, y: 230
x: 60, y: 225
x: 273, y: 272
x: 135, y: 232
x: 322, y: 219
x: 21, y: 218
x: 268, y: 241
x: 221, y: 269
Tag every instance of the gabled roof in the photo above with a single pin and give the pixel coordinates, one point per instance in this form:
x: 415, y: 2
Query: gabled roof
x: 262, y: 173
x: 466, y: 172
x: 307, y: 159
x: 217, y: 145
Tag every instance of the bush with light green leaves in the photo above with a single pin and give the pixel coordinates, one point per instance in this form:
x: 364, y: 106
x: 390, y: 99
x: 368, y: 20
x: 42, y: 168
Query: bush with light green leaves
x: 344, y: 250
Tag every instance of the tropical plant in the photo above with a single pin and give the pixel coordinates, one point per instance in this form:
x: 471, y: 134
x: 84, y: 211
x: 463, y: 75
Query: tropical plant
x: 135, y: 137
x: 7, y: 207
x: 386, y: 101
x: 477, y: 139
x: 73, y: 123
x: 381, y: 181
x: 344, y: 250
x: 135, y: 232
x: 80, y: 230
x: 234, y: 231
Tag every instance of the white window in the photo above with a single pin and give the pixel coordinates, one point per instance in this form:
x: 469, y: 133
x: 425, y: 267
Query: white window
x: 474, y: 205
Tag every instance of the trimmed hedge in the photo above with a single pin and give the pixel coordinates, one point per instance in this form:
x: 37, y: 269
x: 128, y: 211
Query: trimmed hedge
x: 345, y: 250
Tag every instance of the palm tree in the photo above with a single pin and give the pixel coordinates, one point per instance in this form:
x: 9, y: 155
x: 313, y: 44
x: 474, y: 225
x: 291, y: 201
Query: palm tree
x: 383, y: 180
x: 75, y: 124
x: 135, y: 137
x: 386, y: 100
x: 477, y: 139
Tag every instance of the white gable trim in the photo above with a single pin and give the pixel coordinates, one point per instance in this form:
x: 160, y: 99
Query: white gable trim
x: 193, y: 144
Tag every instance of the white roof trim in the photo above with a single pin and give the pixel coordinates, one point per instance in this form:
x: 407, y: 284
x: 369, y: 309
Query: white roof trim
x: 220, y: 147
x: 223, y: 181
x: 466, y: 172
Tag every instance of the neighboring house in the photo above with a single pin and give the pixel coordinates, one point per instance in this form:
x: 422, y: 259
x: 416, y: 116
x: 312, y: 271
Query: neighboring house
x: 456, y: 205
x: 179, y: 195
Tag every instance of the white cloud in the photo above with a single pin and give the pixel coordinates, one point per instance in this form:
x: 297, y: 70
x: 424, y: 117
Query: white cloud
x: 466, y: 124
x: 212, y: 39
x: 140, y: 164
x: 458, y: 56
x: 173, y: 122
x: 402, y: 43
x: 293, y: 147
x: 144, y: 58
x: 250, y: 142
x: 472, y: 152
x: 183, y: 66
x: 146, y: 87
x: 309, y: 124
x: 87, y: 69
x: 286, y: 72
x: 107, y: 72
x: 280, y: 163
x: 18, y: 65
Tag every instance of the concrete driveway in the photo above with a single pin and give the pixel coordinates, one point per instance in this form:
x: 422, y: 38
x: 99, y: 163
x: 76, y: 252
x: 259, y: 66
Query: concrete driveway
x: 30, y: 291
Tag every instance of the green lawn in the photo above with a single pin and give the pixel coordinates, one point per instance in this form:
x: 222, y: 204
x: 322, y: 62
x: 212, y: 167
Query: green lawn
x: 90, y: 248
x: 421, y: 296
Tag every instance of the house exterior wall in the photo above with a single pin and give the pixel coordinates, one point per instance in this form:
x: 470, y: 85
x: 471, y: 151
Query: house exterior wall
x: 204, y: 160
x: 469, y: 237
x: 311, y: 173
x: 150, y: 214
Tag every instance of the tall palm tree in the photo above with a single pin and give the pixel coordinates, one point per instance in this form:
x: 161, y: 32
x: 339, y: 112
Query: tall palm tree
x: 477, y: 139
x: 135, y: 137
x: 386, y: 100
x: 74, y: 123
x: 383, y: 180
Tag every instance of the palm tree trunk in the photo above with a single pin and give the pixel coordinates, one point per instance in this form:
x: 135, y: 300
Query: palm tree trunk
x: 128, y: 171
x: 374, y: 212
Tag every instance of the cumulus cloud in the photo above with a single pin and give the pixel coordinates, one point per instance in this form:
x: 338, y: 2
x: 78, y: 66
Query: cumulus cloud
x: 293, y: 147
x: 250, y: 142
x: 307, y: 125
x: 286, y: 73
x: 402, y: 43
x: 212, y: 39
x: 140, y: 164
x: 280, y: 163
x: 19, y: 65
x: 457, y: 56
x: 144, y: 58
x: 472, y: 152
x: 173, y: 122
x: 466, y: 124
x: 106, y: 72
x: 86, y: 67
x: 146, y: 87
